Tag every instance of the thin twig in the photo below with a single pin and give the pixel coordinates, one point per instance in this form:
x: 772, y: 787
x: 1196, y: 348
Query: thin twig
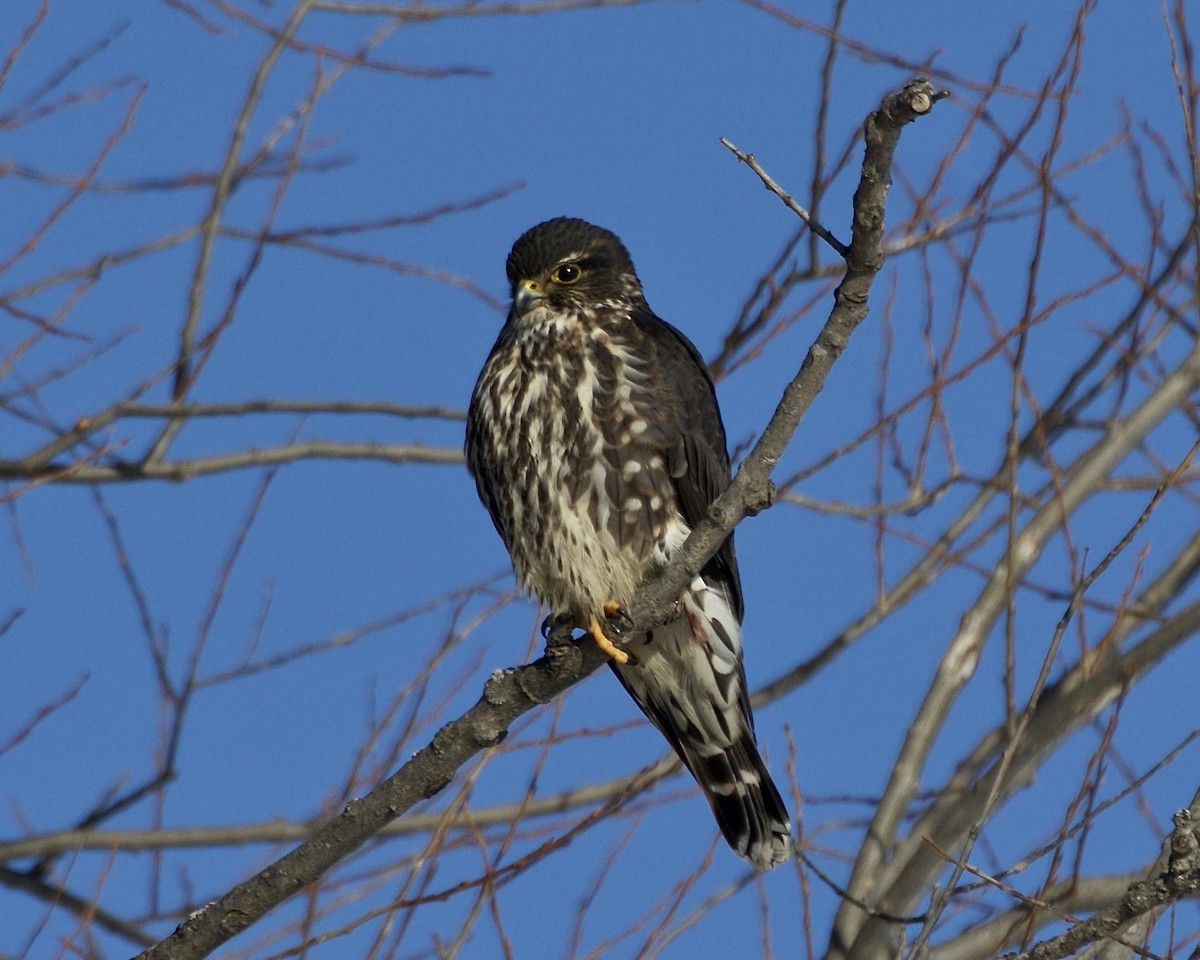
x: 788, y: 200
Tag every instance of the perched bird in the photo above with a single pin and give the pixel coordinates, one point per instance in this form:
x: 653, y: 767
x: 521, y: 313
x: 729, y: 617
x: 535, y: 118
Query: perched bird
x: 596, y: 444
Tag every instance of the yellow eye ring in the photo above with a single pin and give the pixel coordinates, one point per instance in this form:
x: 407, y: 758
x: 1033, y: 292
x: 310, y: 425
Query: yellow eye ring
x: 566, y: 274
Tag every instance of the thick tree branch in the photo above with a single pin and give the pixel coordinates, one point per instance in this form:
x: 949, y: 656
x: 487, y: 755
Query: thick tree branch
x: 506, y: 696
x: 511, y: 693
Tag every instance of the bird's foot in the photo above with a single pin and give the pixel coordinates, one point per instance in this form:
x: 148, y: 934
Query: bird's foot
x: 617, y: 622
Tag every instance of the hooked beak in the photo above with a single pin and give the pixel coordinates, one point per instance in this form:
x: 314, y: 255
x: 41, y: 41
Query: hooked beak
x: 526, y: 297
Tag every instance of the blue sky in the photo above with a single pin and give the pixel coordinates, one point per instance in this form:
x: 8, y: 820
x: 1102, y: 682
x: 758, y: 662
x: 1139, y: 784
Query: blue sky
x: 609, y: 114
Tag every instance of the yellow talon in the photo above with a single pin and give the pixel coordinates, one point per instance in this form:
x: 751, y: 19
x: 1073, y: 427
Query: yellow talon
x: 604, y: 643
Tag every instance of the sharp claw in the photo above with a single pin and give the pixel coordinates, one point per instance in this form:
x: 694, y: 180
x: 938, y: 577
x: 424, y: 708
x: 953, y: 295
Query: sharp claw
x: 619, y: 621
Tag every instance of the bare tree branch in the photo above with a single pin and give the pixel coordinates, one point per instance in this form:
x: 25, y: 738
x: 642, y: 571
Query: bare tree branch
x: 1177, y: 875
x: 115, y: 470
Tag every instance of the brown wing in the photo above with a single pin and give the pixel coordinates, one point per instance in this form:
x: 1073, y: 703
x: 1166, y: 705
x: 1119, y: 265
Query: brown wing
x: 697, y: 456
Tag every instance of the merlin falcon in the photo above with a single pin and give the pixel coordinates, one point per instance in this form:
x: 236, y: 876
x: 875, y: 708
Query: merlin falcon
x: 596, y: 445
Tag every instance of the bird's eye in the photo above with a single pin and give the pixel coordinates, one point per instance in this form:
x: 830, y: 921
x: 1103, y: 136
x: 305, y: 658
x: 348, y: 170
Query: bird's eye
x: 566, y: 274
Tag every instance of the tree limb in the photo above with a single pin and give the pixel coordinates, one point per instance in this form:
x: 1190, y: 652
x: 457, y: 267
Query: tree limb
x: 1178, y: 876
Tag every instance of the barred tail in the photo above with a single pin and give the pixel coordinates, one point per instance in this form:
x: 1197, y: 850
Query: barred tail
x: 745, y: 801
x: 688, y: 680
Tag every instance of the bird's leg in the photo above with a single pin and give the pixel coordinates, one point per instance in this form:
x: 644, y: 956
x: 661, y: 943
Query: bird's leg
x: 612, y: 612
x: 597, y: 632
x: 617, y: 623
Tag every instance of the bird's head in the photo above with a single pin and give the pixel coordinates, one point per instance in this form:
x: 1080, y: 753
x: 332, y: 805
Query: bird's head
x: 569, y: 266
